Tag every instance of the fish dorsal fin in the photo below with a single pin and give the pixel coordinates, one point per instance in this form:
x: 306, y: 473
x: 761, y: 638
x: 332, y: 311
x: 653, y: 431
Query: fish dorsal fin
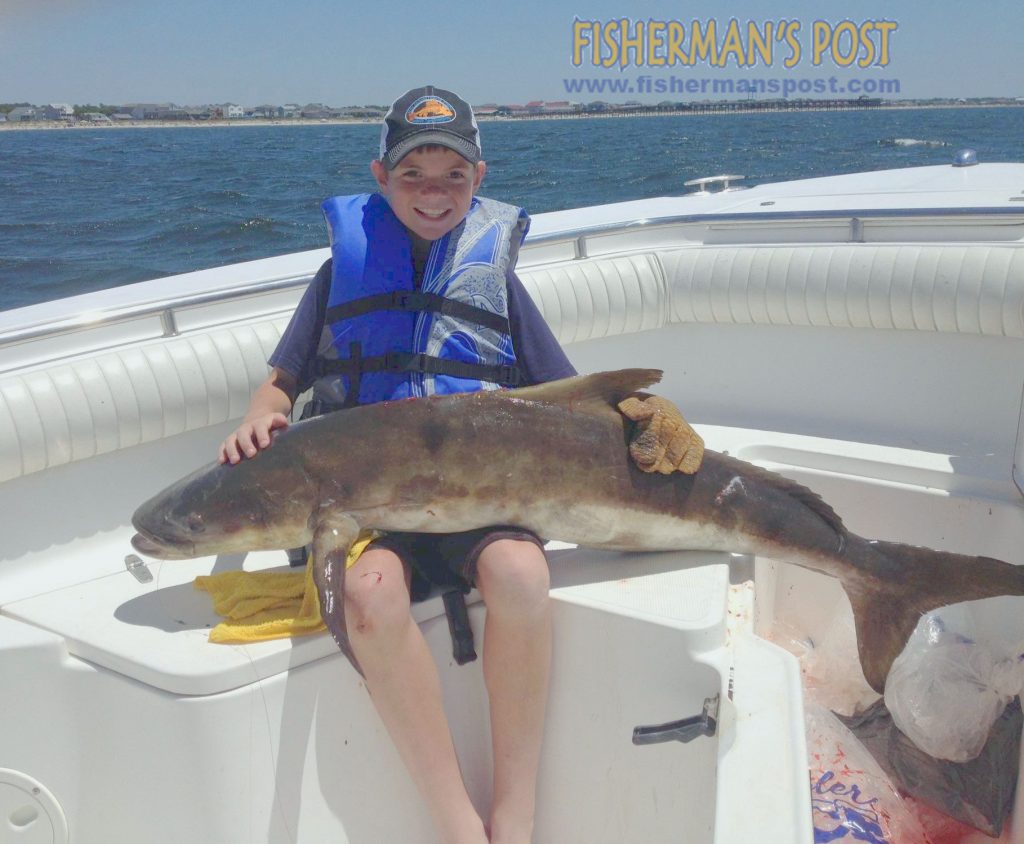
x: 607, y: 388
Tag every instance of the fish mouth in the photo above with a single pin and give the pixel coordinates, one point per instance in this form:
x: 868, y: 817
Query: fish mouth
x: 150, y: 546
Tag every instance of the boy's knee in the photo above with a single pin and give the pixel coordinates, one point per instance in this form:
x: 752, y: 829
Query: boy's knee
x: 513, y: 573
x: 376, y: 595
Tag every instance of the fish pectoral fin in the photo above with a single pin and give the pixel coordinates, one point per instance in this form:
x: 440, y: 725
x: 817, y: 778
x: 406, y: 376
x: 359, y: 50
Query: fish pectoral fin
x: 332, y: 540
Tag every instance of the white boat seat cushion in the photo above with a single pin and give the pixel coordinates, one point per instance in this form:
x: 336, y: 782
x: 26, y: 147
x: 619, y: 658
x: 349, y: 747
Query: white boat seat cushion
x: 70, y: 411
x: 955, y: 288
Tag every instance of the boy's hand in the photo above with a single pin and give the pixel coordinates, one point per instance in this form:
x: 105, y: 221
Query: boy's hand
x: 662, y: 440
x: 252, y: 436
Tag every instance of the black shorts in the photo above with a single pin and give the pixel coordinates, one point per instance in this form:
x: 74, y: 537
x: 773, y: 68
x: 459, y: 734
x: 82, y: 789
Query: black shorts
x: 447, y: 559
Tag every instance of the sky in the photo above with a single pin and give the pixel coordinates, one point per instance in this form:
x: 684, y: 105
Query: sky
x: 252, y: 52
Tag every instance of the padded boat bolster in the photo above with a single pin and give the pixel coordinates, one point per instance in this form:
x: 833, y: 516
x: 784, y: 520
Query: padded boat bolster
x: 89, y: 406
x: 957, y: 288
x: 953, y: 288
x: 601, y: 297
x: 85, y: 406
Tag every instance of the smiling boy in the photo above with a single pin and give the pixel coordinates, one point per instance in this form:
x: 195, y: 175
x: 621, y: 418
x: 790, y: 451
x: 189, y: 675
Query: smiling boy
x: 419, y: 298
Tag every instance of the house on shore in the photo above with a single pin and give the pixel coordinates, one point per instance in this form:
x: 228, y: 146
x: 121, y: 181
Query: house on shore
x: 22, y: 113
x: 268, y: 112
x: 317, y: 111
x: 58, y: 111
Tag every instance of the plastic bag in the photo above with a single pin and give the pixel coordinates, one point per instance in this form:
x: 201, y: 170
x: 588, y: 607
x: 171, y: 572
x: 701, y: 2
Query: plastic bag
x: 978, y: 793
x: 851, y: 796
x: 945, y: 691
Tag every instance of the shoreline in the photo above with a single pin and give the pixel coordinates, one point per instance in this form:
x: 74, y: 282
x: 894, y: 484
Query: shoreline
x: 54, y: 125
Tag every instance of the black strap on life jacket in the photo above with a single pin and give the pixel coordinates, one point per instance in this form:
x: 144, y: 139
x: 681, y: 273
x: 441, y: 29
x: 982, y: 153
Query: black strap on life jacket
x: 356, y: 365
x: 409, y: 300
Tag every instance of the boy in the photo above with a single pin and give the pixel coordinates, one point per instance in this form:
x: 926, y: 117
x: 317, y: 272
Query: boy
x: 419, y: 298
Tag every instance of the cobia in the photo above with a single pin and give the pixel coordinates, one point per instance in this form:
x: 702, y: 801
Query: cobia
x: 554, y: 459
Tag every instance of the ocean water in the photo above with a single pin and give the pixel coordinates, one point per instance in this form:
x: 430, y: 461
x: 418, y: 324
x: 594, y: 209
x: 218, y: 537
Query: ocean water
x: 82, y: 210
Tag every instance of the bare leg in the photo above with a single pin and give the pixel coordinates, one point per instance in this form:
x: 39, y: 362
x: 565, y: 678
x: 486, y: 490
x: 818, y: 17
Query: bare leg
x: 513, y: 578
x: 406, y: 690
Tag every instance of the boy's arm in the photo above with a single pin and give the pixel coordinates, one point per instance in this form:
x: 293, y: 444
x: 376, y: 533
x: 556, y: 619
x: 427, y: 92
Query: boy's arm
x: 274, y: 398
x: 267, y: 413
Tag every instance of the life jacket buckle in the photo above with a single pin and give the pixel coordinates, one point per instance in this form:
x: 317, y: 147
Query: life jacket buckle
x: 407, y: 300
x: 509, y: 375
x: 392, y: 362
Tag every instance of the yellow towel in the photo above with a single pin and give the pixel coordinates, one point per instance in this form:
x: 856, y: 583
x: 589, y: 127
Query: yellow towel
x: 261, y: 605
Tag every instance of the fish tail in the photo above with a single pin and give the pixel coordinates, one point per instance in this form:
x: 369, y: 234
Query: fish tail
x: 896, y: 584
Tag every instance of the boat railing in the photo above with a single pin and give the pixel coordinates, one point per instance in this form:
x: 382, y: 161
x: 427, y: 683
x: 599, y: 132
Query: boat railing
x: 853, y: 221
x: 164, y: 309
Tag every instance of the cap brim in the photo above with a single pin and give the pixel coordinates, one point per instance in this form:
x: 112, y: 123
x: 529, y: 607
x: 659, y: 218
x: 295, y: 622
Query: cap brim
x: 456, y: 143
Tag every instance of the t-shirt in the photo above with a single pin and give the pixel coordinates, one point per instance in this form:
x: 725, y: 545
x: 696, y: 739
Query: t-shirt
x: 539, y: 356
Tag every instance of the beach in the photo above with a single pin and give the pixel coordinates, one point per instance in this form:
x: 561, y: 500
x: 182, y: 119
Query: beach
x: 701, y: 110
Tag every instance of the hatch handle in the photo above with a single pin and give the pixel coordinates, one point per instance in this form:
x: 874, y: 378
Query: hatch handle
x: 684, y: 730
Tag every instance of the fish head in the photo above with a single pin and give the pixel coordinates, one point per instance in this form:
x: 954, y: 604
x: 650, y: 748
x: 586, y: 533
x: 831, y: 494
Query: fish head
x: 258, y: 504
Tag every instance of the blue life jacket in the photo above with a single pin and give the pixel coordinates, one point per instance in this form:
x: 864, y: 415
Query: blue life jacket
x: 382, y: 339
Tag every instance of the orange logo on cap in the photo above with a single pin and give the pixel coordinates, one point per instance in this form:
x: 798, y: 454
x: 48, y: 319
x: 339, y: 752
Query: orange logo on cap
x: 429, y: 110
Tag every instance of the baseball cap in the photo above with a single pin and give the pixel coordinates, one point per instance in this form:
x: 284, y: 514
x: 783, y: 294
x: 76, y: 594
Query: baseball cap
x: 429, y: 115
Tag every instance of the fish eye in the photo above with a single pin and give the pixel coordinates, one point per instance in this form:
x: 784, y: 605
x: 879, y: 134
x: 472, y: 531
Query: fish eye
x: 194, y: 523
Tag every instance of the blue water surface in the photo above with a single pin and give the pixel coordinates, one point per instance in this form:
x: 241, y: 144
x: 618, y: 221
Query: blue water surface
x: 83, y: 210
